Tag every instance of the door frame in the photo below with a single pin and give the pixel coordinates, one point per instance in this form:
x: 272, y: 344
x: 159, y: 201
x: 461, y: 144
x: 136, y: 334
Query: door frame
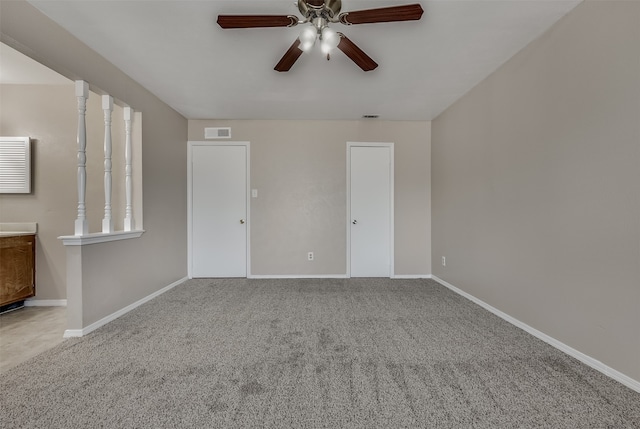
x: 191, y: 144
x: 391, y: 202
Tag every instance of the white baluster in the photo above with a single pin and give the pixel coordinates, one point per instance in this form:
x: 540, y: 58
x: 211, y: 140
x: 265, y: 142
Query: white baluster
x: 129, y: 223
x: 82, y: 93
x: 107, y: 107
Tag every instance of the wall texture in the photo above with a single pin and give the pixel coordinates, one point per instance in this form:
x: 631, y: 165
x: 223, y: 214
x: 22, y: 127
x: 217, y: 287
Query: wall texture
x: 299, y: 169
x: 119, y: 273
x: 536, y: 185
x: 48, y: 115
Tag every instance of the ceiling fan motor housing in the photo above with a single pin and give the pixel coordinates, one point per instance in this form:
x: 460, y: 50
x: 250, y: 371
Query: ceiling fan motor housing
x: 313, y: 9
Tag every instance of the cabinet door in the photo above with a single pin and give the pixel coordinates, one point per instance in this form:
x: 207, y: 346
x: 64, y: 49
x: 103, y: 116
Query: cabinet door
x: 17, y: 268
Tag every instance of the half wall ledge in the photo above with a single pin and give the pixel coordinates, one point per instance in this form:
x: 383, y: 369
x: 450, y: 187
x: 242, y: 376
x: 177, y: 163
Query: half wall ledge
x: 99, y: 237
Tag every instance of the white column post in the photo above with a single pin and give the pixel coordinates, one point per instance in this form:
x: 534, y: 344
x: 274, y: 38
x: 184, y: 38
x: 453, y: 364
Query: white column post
x: 129, y: 223
x: 107, y: 107
x: 82, y: 93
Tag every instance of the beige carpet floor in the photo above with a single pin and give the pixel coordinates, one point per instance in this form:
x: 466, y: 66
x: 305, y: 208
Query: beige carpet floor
x: 356, y: 353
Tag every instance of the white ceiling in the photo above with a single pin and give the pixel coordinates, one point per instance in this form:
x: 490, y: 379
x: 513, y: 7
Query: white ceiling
x: 177, y: 51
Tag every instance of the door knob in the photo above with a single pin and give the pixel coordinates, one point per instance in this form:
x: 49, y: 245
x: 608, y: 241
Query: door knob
x: 242, y: 221
x: 354, y: 222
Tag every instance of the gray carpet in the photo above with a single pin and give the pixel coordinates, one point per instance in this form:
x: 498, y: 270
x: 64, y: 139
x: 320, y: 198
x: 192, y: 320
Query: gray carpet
x: 357, y: 353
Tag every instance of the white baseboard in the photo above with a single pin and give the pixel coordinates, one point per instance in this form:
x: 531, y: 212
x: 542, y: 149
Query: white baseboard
x: 45, y: 303
x: 411, y: 276
x: 70, y: 333
x: 588, y: 360
x: 329, y: 276
x: 297, y: 276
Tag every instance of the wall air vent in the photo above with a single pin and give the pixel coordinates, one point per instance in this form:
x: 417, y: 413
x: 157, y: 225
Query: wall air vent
x: 217, y: 133
x: 370, y: 116
x: 15, y: 165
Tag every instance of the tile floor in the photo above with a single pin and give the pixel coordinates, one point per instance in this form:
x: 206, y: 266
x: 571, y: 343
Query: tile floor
x: 29, y: 331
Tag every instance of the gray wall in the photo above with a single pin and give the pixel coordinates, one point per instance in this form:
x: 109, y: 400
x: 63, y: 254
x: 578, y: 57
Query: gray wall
x: 119, y: 273
x: 299, y: 169
x: 536, y: 185
x: 48, y: 115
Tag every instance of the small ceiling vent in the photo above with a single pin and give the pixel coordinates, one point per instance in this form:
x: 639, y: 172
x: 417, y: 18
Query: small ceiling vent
x: 217, y: 133
x: 370, y: 116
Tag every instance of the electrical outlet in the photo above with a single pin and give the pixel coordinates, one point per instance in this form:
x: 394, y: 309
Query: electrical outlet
x: 310, y: 256
x: 444, y: 261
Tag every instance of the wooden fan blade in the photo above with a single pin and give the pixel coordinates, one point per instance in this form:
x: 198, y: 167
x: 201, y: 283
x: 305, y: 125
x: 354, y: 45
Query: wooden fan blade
x: 356, y: 54
x: 289, y: 58
x: 410, y: 12
x: 256, y: 21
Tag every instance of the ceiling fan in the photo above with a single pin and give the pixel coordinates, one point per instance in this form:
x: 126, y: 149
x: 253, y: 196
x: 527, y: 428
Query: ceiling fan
x: 319, y: 14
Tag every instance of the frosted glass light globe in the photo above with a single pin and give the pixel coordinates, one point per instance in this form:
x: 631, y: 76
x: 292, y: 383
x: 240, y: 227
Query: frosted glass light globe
x: 307, y: 38
x: 330, y: 40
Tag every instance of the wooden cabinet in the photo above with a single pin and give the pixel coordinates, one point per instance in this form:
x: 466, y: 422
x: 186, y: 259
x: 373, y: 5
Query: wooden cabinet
x: 17, y: 268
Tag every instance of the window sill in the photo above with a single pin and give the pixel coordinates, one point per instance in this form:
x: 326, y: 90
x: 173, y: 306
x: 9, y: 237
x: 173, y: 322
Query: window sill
x: 99, y: 237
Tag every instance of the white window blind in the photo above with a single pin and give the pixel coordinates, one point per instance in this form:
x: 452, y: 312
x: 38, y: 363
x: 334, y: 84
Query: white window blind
x: 15, y: 165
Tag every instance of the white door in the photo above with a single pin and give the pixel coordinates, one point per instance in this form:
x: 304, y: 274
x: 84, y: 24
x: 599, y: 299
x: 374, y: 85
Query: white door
x: 371, y: 211
x: 219, y: 211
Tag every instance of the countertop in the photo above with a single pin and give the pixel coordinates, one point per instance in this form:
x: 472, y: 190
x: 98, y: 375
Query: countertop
x: 16, y: 229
